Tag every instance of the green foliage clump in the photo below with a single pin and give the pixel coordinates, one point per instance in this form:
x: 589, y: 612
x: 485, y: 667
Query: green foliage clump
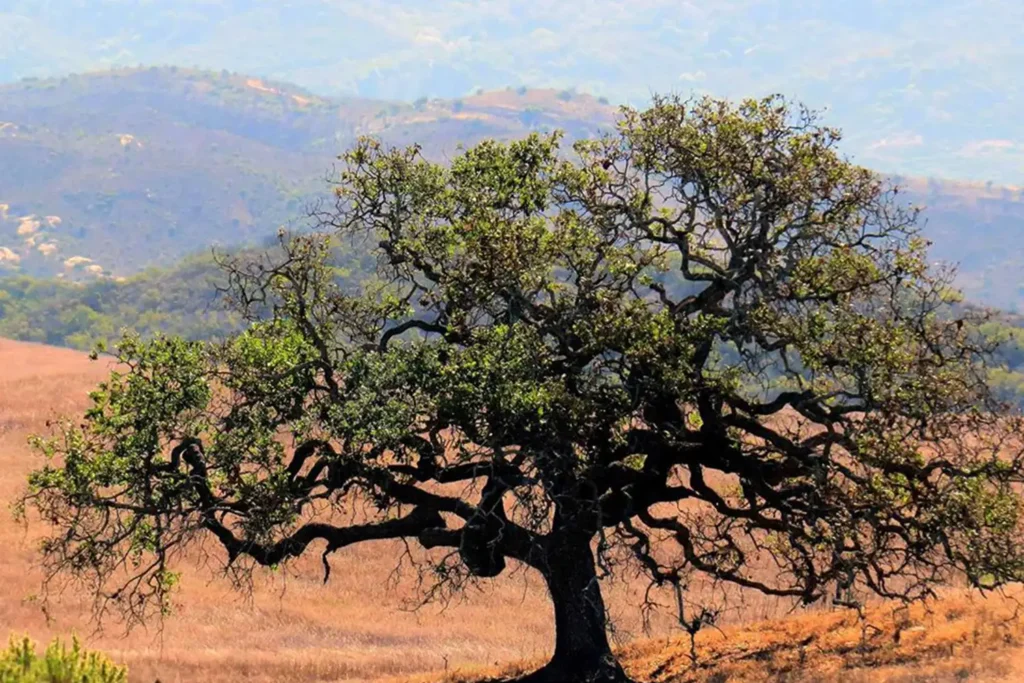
x: 1007, y: 377
x: 58, y: 664
x: 182, y: 300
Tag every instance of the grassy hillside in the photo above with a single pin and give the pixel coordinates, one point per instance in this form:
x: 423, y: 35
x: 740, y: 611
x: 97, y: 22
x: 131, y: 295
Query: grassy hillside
x: 106, y: 174
x: 293, y: 630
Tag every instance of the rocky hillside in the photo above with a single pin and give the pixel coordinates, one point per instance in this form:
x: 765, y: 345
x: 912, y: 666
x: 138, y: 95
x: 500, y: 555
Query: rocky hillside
x: 105, y: 174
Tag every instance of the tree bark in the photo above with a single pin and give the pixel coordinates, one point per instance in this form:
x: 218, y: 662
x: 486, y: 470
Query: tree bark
x: 582, y: 653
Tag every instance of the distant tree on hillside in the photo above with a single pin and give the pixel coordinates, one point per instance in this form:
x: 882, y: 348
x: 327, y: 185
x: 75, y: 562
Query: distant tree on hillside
x: 705, y: 345
x: 530, y: 117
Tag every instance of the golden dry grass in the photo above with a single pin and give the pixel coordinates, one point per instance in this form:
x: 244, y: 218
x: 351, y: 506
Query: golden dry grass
x: 294, y: 628
x: 958, y: 638
x: 356, y: 628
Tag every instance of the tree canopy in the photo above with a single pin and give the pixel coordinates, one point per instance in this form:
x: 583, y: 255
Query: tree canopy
x: 706, y: 342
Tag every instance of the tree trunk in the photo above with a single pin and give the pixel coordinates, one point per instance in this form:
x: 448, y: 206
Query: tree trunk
x: 582, y: 653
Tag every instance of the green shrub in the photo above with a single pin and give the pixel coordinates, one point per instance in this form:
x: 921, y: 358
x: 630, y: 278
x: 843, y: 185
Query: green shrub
x: 21, y: 664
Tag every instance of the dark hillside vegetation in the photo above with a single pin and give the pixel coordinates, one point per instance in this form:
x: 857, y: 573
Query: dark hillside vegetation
x: 1008, y: 377
x: 181, y: 300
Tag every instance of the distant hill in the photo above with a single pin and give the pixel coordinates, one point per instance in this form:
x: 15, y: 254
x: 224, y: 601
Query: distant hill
x: 104, y: 175
x: 109, y: 173
x: 919, y: 87
x: 979, y: 227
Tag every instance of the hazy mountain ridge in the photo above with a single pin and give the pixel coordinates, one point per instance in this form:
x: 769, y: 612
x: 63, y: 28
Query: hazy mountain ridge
x: 920, y: 87
x: 105, y: 174
x: 980, y: 228
x: 140, y: 167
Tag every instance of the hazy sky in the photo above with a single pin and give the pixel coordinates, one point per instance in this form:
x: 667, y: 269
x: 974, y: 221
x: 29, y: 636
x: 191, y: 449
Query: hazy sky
x: 929, y: 87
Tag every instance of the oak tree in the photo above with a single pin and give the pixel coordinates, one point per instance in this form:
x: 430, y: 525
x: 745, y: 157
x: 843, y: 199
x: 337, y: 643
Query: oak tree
x: 705, y: 341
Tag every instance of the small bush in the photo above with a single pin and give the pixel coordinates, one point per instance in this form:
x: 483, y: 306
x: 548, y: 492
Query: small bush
x: 21, y: 664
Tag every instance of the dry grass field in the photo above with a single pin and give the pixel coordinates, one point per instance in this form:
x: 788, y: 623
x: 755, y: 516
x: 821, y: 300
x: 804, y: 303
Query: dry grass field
x: 359, y: 627
x: 956, y: 639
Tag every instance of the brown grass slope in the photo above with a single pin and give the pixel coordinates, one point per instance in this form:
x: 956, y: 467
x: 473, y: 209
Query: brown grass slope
x: 957, y: 638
